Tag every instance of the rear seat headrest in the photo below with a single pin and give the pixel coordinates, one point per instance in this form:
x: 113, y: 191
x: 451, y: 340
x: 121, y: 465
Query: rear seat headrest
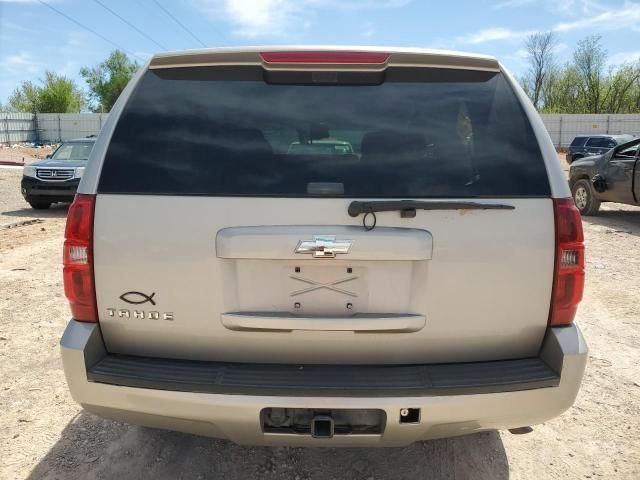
x: 388, y: 142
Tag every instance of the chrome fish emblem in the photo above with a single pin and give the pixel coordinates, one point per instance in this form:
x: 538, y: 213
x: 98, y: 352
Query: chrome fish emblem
x: 137, y: 298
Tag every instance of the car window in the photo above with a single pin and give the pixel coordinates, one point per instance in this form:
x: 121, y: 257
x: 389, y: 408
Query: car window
x: 421, y: 132
x: 628, y: 151
x: 73, y: 151
x: 596, y: 142
x: 578, y: 141
x: 623, y: 139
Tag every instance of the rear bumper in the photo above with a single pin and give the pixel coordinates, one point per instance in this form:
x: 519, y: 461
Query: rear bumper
x: 451, y: 401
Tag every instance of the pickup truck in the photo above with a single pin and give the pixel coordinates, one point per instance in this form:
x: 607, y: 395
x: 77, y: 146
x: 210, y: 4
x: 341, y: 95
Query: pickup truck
x: 611, y: 177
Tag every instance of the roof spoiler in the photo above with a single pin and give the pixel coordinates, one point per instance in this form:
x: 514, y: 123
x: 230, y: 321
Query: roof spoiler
x: 325, y: 59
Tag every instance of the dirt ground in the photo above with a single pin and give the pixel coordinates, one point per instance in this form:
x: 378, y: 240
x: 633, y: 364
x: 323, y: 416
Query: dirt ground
x: 44, y: 434
x: 21, y: 153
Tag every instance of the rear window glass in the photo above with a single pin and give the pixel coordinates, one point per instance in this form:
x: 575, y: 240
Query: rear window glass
x: 578, y: 141
x: 415, y: 132
x: 603, y: 142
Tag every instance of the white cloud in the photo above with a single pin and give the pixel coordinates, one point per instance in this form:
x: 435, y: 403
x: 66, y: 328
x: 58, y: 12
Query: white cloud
x: 624, y: 57
x: 560, y: 47
x: 619, y: 18
x: 576, y: 7
x: 512, y: 3
x: 521, y: 53
x: 15, y: 26
x: 255, y: 18
x: 20, y: 63
x: 564, y: 7
x: 627, y: 16
x: 492, y: 34
x: 263, y: 18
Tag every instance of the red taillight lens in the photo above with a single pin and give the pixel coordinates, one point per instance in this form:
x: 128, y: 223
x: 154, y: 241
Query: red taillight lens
x: 568, y: 281
x: 78, y: 259
x: 325, y: 57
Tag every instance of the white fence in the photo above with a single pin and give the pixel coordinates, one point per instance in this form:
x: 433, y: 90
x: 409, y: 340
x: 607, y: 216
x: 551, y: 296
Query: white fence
x: 564, y: 127
x: 16, y: 127
x: 48, y: 127
x: 56, y: 127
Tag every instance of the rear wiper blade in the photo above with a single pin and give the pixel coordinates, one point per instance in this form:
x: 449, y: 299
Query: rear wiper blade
x: 408, y: 208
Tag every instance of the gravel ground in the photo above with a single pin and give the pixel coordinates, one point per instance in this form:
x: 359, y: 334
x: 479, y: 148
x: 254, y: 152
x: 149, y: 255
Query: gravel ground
x: 46, y: 435
x: 20, y: 153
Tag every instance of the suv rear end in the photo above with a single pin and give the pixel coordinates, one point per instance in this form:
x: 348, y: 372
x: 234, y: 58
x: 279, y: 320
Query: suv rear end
x: 423, y: 285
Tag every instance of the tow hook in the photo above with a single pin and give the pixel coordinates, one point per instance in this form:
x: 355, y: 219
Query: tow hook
x: 520, y: 430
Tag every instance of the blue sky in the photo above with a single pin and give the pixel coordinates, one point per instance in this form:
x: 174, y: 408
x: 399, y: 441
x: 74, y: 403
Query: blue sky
x: 33, y: 38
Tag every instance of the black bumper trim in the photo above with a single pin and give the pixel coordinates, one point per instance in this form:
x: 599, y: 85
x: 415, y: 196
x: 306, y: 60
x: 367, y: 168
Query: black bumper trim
x: 323, y: 380
x: 36, y: 189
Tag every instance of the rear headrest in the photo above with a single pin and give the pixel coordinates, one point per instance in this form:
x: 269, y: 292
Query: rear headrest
x: 387, y: 142
x: 243, y: 139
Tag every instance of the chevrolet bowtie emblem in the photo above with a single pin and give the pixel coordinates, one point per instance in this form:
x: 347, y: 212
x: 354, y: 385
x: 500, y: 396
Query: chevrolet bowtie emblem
x: 323, y: 246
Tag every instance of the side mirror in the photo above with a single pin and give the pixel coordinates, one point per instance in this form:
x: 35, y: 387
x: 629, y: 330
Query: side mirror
x: 599, y: 183
x: 48, y: 155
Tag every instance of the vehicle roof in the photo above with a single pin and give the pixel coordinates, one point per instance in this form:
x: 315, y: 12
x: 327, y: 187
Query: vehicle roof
x: 82, y: 139
x: 397, y: 57
x: 605, y: 135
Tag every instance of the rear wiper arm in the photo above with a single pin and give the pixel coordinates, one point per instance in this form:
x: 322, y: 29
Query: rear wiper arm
x: 408, y: 208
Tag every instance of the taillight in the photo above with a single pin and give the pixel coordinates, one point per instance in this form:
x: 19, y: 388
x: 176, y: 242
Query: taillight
x: 78, y: 259
x: 325, y: 57
x: 568, y: 279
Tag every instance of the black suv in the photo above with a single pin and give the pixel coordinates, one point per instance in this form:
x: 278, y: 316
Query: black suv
x: 56, y: 179
x: 586, y: 145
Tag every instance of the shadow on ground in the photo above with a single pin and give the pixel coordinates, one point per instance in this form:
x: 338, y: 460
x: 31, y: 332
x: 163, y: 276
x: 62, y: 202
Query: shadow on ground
x: 91, y: 447
x: 57, y: 210
x: 618, y: 220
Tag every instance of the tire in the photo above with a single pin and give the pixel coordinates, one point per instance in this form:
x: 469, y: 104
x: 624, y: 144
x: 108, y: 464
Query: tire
x: 40, y: 205
x: 584, y: 198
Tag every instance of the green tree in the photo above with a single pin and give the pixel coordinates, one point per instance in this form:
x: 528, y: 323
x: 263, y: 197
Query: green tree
x: 25, y: 98
x: 107, y: 80
x: 583, y: 85
x: 561, y: 92
x: 539, y: 48
x: 589, y: 59
x: 60, y: 95
x: 57, y: 94
x: 623, y: 89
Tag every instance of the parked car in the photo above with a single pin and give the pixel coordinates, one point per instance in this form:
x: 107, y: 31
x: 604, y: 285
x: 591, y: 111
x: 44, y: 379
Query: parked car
x: 612, y: 177
x: 586, y: 145
x: 56, y: 178
x: 222, y: 285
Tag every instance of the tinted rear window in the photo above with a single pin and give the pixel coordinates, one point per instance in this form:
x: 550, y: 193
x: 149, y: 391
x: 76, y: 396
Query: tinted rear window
x: 578, y: 141
x: 413, y: 132
x: 603, y: 142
